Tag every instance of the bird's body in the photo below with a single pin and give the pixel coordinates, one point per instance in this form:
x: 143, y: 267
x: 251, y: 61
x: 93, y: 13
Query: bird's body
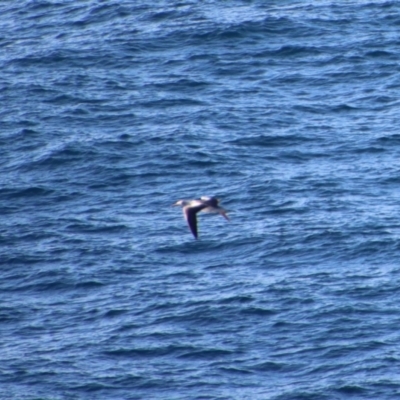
x: 192, y: 207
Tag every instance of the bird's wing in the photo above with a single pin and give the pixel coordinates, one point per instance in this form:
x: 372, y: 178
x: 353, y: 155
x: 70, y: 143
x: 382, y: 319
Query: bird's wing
x: 213, y: 206
x: 190, y: 216
x: 211, y: 201
x: 223, y: 213
x: 218, y: 210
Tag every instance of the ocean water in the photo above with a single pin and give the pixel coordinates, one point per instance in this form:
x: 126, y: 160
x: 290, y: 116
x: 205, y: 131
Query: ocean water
x: 111, y: 111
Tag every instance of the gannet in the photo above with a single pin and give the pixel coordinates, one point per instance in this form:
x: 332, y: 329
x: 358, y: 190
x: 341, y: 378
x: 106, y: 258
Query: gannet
x: 192, y: 207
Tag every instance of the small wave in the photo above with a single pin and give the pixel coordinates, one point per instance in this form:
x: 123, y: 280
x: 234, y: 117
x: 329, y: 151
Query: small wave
x: 149, y: 351
x: 235, y: 370
x: 272, y: 141
x: 10, y: 314
x: 380, y: 54
x: 257, y: 311
x: 393, y: 139
x: 289, y: 51
x: 89, y: 284
x: 33, y: 191
x: 114, y: 313
x: 85, y: 227
x: 180, y: 85
x: 272, y: 366
x: 208, y: 354
x: 172, y: 103
x: 351, y: 390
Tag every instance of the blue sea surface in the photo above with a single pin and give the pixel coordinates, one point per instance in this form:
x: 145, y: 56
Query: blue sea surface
x: 287, y: 111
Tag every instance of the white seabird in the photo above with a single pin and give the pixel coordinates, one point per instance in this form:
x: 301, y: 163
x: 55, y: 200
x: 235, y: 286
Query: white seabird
x: 192, y: 207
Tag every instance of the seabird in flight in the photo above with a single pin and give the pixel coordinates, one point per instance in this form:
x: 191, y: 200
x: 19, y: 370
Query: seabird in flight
x: 192, y: 207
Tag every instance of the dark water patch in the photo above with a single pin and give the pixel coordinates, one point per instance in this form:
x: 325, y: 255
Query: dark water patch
x: 173, y: 14
x: 289, y: 51
x: 368, y: 149
x: 45, y: 285
x: 90, y: 284
x: 352, y: 390
x: 273, y: 141
x: 115, y: 313
x: 63, y: 59
x: 257, y: 311
x: 320, y: 109
x: 190, y: 247
x: 11, y: 314
x: 302, y: 156
x: 375, y: 247
x: 391, y: 180
x: 148, y: 352
x: 235, y: 371
x: 63, y: 99
x: 210, y: 354
x: 14, y: 199
x: 304, y: 395
x: 288, y: 207
x: 240, y: 299
x: 86, y: 227
x: 179, y: 102
x: 253, y: 30
x: 30, y: 192
x: 273, y: 366
x: 391, y: 140
x: 29, y: 132
x: 25, y: 259
x: 93, y: 387
x: 342, y: 108
x: 179, y: 85
x: 380, y: 54
x: 198, y: 317
x: 371, y: 292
